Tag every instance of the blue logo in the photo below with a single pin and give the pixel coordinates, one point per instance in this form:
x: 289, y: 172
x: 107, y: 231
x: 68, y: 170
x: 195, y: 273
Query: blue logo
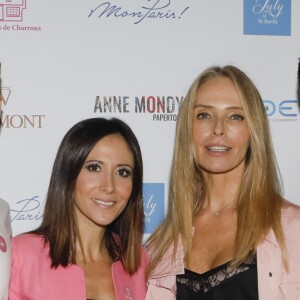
x: 267, y: 17
x: 285, y: 109
x: 154, y: 205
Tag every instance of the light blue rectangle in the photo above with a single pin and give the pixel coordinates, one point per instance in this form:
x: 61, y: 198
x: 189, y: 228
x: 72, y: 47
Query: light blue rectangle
x: 267, y: 17
x: 154, y: 205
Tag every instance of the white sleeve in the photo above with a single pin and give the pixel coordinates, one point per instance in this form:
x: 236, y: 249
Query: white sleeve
x: 5, y: 249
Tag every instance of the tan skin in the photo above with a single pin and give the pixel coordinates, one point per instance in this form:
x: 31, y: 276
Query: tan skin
x: 216, y: 232
x: 102, y: 191
x: 96, y: 265
x: 221, y: 140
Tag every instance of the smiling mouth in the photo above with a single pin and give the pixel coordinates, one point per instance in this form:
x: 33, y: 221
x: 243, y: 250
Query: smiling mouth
x: 104, y: 203
x: 218, y: 149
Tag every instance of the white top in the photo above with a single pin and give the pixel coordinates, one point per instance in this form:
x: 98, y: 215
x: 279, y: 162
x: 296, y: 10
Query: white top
x: 5, y: 249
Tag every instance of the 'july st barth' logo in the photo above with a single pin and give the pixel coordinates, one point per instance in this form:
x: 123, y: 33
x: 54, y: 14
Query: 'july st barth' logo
x: 154, y: 205
x: 12, y: 10
x: 267, y: 17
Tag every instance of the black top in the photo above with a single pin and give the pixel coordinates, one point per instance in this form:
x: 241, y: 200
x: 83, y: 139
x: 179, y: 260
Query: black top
x: 220, y: 283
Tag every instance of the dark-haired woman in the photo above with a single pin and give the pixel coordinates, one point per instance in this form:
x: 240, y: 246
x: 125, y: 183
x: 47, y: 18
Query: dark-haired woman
x: 89, y: 243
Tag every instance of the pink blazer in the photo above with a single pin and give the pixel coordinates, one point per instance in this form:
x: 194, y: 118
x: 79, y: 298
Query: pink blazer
x: 274, y: 282
x: 32, y: 278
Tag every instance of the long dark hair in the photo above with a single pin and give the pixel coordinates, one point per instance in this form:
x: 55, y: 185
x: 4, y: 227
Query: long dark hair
x: 123, y: 236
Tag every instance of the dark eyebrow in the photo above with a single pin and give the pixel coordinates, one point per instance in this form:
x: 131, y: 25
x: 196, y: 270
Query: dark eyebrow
x: 94, y: 160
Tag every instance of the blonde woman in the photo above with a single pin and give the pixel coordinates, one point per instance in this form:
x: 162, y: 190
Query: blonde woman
x: 228, y: 233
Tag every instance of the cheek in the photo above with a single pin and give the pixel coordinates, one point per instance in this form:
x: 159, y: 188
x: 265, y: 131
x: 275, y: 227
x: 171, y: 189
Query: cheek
x: 198, y: 133
x: 241, y: 135
x: 202, y: 128
x: 243, y: 145
x: 245, y: 137
x: 84, y: 183
x: 124, y: 190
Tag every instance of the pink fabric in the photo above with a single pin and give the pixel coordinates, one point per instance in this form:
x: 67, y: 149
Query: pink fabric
x: 274, y: 283
x: 32, y: 278
x: 130, y: 287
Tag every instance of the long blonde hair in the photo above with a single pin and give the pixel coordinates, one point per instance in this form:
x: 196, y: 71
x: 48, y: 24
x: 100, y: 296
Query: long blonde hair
x: 259, y: 199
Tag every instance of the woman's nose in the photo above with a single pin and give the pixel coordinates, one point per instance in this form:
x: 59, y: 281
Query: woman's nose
x: 219, y: 127
x: 106, y: 183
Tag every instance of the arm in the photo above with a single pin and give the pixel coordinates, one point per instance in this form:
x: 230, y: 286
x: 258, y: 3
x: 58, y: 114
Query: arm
x: 5, y: 248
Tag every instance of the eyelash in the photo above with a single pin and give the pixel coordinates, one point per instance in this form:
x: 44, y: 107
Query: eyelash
x: 235, y: 117
x: 122, y: 171
x: 201, y: 116
x: 93, y: 167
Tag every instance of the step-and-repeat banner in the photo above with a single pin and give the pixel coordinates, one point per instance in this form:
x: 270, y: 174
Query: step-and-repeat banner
x: 64, y: 61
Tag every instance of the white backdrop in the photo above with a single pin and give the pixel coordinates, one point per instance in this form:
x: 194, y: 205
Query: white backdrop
x: 63, y: 61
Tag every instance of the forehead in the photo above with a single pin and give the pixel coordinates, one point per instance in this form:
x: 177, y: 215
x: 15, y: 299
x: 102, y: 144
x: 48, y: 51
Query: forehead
x: 217, y: 91
x: 113, y: 145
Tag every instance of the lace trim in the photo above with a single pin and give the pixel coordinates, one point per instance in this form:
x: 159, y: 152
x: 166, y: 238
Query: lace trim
x: 206, y: 281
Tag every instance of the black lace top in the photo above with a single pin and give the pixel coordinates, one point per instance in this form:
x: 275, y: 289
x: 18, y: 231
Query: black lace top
x: 220, y: 283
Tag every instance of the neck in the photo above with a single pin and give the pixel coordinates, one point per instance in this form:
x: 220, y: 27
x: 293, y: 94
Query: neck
x: 220, y: 192
x: 91, y: 247
x: 90, y: 243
